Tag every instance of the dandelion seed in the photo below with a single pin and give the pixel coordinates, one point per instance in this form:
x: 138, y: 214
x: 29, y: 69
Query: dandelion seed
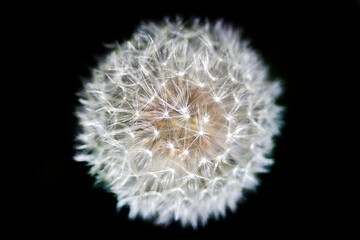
x: 203, y: 161
x: 217, y: 99
x: 171, y: 146
x: 229, y: 136
x: 184, y: 110
x: 206, y: 119
x: 229, y: 118
x: 149, y: 153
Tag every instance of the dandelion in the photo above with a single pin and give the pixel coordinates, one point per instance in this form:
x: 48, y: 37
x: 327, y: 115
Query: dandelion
x: 178, y: 121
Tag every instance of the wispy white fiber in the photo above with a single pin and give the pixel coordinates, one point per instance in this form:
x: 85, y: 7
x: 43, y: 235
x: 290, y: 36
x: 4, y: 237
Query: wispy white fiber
x: 178, y: 121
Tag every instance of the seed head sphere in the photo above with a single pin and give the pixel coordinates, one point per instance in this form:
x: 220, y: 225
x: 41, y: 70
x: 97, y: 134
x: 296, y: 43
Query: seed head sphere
x: 178, y: 121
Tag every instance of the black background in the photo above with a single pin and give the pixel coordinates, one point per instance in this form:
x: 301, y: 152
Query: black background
x: 305, y: 43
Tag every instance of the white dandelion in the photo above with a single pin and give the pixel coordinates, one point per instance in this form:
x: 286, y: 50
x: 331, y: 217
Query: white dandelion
x: 178, y: 121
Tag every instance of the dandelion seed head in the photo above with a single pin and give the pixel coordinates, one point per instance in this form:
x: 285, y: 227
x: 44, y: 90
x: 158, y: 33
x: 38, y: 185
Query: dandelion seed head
x: 178, y: 121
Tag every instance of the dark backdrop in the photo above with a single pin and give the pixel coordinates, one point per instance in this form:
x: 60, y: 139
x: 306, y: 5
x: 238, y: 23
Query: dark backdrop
x: 303, y: 42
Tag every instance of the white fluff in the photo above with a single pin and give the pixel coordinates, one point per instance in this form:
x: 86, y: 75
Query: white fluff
x: 178, y: 121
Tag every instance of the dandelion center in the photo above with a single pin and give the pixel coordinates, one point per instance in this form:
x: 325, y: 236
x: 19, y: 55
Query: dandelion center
x: 177, y: 118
